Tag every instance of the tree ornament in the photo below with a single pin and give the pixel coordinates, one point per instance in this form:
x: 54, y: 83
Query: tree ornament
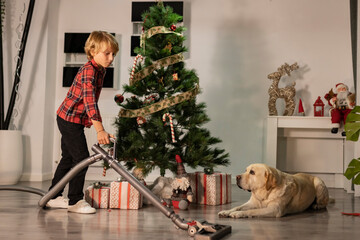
x: 134, y: 65
x: 119, y: 98
x: 208, y: 171
x: 151, y: 99
x: 140, y: 120
x: 173, y: 27
x: 175, y: 77
x: 161, y: 80
x: 104, y: 171
x: 171, y: 125
x: 168, y: 47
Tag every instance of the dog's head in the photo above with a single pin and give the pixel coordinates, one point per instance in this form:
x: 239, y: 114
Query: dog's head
x: 257, y: 176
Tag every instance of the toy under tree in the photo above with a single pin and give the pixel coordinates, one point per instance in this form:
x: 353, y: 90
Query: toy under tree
x: 159, y: 116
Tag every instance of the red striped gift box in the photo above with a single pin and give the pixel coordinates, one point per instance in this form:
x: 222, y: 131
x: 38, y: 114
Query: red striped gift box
x: 97, y: 197
x: 124, y: 196
x: 212, y: 189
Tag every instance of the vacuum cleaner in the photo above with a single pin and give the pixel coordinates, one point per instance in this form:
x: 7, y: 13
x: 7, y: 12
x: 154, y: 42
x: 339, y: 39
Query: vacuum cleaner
x: 198, y: 229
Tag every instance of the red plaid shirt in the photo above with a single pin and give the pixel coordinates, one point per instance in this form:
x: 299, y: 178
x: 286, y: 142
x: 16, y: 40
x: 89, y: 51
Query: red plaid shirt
x: 80, y: 104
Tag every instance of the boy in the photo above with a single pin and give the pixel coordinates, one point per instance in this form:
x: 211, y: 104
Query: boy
x: 79, y: 110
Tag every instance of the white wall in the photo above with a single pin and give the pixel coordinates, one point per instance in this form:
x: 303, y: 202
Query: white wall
x: 234, y: 45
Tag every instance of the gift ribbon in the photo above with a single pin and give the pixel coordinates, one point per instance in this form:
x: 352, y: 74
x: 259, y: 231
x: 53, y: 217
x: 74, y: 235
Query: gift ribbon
x: 205, y: 189
x: 221, y: 189
x: 128, y: 197
x: 93, y: 204
x: 227, y: 189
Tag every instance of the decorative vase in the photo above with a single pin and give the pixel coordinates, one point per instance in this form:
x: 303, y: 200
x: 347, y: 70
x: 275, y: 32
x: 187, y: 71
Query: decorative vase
x: 11, y: 156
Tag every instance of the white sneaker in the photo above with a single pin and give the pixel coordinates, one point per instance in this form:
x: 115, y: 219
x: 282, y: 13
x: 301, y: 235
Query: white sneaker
x: 81, y: 207
x: 59, y: 202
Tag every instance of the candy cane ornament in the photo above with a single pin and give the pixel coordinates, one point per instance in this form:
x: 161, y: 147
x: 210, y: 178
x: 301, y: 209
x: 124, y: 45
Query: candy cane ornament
x: 171, y: 125
x: 134, y: 65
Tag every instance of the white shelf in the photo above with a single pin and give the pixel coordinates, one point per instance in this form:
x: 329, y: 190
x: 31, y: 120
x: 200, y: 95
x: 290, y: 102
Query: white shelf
x: 306, y: 144
x: 301, y: 122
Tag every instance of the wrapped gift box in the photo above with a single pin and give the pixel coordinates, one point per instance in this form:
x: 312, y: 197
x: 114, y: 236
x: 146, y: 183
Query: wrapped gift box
x: 212, y: 189
x: 124, y: 196
x: 98, y: 197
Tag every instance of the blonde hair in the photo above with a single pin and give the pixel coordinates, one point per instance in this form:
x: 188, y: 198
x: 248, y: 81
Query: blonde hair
x: 97, y: 40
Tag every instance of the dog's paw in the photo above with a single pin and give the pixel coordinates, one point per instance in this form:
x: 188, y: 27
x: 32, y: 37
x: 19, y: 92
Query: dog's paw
x: 224, y: 213
x: 238, y: 214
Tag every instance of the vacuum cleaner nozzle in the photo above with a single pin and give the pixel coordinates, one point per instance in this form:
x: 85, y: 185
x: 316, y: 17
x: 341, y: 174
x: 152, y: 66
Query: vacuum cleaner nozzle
x: 203, y: 230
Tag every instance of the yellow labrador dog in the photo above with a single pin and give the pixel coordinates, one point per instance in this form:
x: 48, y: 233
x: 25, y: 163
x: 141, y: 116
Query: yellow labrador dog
x: 275, y: 193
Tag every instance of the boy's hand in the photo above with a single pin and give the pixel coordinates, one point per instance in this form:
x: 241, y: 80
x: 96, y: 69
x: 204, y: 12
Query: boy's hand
x: 103, y: 137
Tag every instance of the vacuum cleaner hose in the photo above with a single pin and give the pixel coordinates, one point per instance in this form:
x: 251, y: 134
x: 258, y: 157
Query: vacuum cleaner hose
x: 61, y: 184
x: 23, y: 189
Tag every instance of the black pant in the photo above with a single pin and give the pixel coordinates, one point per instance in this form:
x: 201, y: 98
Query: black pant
x: 74, y: 150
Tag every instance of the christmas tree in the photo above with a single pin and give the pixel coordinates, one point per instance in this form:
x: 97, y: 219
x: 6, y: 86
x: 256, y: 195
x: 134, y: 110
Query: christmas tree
x: 161, y: 118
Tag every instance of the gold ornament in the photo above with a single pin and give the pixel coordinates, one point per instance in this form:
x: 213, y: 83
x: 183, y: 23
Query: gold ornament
x: 168, y: 47
x: 175, y: 77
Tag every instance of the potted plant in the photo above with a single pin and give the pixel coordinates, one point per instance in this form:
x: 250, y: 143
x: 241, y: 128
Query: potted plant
x: 11, y: 146
x: 352, y: 129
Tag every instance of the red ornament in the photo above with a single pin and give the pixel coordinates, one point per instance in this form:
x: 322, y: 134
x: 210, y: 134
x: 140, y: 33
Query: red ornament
x: 319, y: 107
x: 173, y: 27
x: 140, y: 120
x: 119, y: 98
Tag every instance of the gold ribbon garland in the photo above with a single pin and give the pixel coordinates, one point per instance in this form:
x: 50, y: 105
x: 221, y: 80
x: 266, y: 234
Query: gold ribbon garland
x: 153, y: 31
x: 156, y: 30
x: 163, y: 62
x: 168, y: 102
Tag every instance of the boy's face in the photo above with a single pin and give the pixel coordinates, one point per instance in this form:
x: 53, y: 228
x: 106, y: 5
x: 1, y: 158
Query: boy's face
x: 104, y: 57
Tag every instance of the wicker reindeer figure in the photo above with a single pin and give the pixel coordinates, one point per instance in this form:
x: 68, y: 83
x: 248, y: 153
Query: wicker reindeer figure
x: 288, y: 92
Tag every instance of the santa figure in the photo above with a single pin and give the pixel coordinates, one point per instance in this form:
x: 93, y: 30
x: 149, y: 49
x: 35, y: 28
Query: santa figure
x: 182, y: 193
x: 341, y: 102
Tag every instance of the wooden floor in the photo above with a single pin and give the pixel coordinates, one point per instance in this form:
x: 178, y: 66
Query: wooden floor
x: 21, y: 218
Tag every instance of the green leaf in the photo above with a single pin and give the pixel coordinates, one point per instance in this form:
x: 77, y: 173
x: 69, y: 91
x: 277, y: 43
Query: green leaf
x: 352, y: 130
x: 352, y: 126
x: 353, y: 169
x: 357, y: 180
